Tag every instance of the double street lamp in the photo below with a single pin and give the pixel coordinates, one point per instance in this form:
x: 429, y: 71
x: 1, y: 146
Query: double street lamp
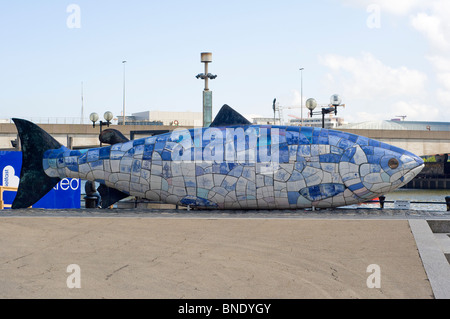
x: 311, y: 104
x: 94, y: 118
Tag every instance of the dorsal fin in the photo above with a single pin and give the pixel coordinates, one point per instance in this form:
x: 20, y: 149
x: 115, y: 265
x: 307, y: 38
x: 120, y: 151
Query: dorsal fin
x: 112, y: 136
x: 228, y: 116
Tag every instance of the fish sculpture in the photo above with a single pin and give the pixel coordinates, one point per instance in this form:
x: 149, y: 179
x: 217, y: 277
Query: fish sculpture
x: 231, y: 164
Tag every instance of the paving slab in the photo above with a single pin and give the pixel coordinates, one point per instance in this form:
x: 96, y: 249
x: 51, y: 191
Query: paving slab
x: 432, y: 248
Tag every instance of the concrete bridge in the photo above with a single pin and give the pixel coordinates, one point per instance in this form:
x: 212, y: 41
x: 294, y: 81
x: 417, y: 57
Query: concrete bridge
x: 78, y: 136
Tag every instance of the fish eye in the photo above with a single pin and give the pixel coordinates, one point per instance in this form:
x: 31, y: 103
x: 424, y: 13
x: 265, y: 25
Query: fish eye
x: 393, y: 163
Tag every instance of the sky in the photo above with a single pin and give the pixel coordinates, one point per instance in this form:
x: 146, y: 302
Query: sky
x: 384, y: 58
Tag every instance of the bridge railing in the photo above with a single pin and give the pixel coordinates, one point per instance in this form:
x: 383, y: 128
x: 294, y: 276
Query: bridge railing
x: 58, y: 120
x: 382, y: 200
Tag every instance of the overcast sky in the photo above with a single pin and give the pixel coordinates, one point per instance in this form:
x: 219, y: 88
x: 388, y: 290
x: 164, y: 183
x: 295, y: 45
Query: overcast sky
x: 385, y: 58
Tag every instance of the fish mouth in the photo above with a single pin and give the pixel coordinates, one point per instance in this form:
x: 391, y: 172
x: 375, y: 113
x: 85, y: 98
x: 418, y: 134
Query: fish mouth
x: 408, y: 176
x: 412, y: 166
x: 411, y: 174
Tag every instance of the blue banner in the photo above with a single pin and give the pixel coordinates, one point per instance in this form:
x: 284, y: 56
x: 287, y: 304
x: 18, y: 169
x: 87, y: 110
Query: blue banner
x: 66, y: 194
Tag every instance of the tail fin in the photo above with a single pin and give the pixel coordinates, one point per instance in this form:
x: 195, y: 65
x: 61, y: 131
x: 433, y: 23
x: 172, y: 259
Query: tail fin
x: 34, y: 183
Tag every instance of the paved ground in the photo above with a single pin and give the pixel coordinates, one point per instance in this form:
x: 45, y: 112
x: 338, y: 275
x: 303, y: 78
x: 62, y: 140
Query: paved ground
x: 162, y: 254
x: 337, y: 213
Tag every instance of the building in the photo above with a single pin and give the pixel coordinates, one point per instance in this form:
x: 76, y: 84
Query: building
x: 330, y: 122
x: 265, y: 121
x: 163, y: 118
x: 133, y: 120
x: 400, y: 125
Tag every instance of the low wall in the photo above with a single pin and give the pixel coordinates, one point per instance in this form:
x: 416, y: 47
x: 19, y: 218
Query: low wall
x: 433, y: 176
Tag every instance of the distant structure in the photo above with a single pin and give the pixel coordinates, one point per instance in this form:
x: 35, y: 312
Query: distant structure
x: 266, y: 121
x: 400, y: 125
x: 330, y: 122
x: 163, y: 118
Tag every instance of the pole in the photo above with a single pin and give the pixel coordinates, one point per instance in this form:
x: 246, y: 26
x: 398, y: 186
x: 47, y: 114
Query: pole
x: 323, y: 118
x: 82, y: 106
x: 101, y: 124
x: 206, y: 57
x: 206, y: 76
x: 123, y: 115
x: 301, y: 94
x: 207, y: 101
x: 274, y: 108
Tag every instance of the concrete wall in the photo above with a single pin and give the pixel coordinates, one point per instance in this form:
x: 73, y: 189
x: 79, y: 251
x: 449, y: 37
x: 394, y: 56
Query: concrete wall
x: 437, y: 169
x: 418, y: 142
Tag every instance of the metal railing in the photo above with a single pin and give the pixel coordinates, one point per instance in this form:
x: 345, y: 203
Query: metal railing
x: 57, y: 120
x: 382, y: 200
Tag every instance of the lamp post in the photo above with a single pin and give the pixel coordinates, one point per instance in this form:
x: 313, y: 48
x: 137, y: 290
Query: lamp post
x: 301, y: 94
x: 94, y: 118
x: 206, y: 57
x: 123, y: 118
x: 274, y: 109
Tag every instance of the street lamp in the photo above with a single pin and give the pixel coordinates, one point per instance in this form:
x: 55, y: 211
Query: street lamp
x: 94, y: 118
x: 206, y: 57
x: 311, y: 104
x: 335, y: 100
